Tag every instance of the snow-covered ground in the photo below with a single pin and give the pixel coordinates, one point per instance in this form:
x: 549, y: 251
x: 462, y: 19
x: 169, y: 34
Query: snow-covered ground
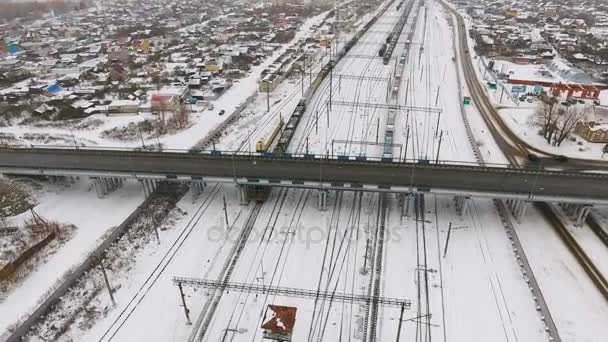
x: 577, y: 307
x: 93, y: 217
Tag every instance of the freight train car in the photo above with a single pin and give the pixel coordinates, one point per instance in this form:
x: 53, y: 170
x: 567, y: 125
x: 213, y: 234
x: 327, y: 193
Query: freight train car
x: 291, y: 127
x: 382, y: 51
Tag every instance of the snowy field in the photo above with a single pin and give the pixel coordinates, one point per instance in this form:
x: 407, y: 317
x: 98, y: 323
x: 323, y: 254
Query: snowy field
x: 75, y: 204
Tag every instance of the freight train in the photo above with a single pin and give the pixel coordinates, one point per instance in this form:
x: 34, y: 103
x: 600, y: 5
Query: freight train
x: 290, y: 128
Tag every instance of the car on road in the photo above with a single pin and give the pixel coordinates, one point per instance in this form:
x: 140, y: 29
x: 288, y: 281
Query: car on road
x: 222, y: 112
x: 561, y: 158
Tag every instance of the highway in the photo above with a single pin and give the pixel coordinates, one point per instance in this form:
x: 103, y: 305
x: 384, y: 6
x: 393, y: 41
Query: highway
x: 454, y: 179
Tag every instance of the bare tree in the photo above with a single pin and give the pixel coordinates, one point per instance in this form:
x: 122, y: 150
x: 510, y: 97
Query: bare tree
x: 181, y: 114
x: 547, y: 115
x: 566, y: 123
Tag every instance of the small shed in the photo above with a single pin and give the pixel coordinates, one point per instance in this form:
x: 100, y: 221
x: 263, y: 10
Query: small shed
x: 279, y: 322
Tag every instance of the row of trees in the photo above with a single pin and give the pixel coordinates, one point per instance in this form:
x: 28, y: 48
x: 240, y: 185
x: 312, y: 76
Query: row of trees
x: 556, y: 120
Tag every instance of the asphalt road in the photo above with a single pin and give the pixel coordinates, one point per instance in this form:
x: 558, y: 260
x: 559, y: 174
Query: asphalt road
x: 587, y: 187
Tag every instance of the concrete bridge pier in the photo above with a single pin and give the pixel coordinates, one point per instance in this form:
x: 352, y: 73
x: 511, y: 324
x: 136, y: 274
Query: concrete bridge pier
x: 518, y: 208
x: 197, y: 188
x: 149, y: 186
x: 461, y: 205
x: 405, y: 202
x: 243, y: 194
x: 104, y: 185
x: 322, y: 200
x: 577, y: 212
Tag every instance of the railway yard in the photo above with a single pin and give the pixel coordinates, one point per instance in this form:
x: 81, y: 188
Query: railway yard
x: 357, y: 265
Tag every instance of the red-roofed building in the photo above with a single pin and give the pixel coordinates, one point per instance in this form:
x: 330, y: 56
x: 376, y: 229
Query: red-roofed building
x: 279, y: 322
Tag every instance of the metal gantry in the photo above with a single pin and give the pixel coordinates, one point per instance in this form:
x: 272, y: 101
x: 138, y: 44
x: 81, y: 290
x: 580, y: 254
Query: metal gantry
x: 290, y: 292
x: 386, y: 106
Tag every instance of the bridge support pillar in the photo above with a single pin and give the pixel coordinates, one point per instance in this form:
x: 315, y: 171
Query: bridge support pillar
x: 577, y: 212
x: 197, y: 188
x: 149, y: 186
x: 461, y: 205
x: 322, y: 200
x: 243, y: 196
x: 405, y: 201
x: 518, y: 208
x: 104, y: 185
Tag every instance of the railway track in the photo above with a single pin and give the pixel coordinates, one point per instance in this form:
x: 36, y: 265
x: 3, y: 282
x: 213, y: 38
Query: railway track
x: 139, y: 295
x: 374, y: 286
x: 204, y: 319
x: 592, y: 271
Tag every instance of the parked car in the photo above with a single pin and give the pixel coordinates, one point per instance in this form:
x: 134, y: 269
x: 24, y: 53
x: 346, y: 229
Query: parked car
x: 210, y: 106
x: 222, y: 112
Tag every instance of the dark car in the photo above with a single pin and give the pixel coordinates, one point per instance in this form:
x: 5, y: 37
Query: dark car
x: 561, y: 158
x: 222, y: 112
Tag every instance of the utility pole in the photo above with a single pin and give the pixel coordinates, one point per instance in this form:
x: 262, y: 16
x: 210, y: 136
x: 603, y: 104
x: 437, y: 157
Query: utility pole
x: 309, y: 72
x: 331, y: 85
x: 447, y: 240
x: 105, y: 278
x: 186, y: 310
x: 155, y: 224
x: 317, y: 122
x: 267, y: 96
x: 327, y: 116
x: 407, y: 139
x: 303, y: 71
x: 407, y: 91
x: 226, y: 213
x: 143, y: 145
x: 377, y: 130
x: 439, y: 148
x: 365, y: 256
x: 437, y: 128
x: 400, y: 321
x: 306, y: 145
x: 437, y: 98
x: 502, y: 93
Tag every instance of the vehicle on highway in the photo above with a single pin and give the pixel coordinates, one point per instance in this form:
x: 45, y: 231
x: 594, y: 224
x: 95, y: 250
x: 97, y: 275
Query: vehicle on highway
x: 561, y: 158
x: 222, y: 112
x: 532, y: 157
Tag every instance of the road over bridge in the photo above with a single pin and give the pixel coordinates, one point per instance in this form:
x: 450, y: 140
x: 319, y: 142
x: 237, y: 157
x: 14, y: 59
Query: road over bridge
x: 307, y: 171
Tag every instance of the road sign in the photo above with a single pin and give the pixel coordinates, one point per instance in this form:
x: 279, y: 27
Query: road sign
x: 467, y: 100
x: 518, y: 89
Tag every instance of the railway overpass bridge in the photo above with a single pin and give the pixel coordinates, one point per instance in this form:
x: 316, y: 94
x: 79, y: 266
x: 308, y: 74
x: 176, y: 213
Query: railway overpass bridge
x: 108, y: 167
